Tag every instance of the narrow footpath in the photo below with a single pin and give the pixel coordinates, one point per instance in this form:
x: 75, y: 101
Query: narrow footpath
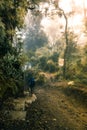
x: 48, y: 109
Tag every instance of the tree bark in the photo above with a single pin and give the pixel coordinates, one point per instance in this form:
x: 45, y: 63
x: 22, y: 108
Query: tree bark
x: 66, y: 41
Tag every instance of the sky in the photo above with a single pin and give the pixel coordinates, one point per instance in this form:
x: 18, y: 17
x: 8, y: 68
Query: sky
x: 54, y: 26
x: 51, y: 24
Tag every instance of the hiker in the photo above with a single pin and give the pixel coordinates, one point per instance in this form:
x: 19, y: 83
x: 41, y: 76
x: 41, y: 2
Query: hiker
x: 31, y: 85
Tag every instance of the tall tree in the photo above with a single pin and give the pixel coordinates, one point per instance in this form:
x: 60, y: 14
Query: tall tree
x: 62, y: 13
x: 12, y: 15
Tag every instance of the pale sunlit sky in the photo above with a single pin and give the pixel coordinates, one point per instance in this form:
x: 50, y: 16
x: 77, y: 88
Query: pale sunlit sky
x: 51, y: 24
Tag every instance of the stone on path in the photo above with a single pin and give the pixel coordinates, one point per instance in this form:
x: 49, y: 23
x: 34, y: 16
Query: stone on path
x: 19, y: 112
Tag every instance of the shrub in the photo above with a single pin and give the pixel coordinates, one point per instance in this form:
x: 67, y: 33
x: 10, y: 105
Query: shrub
x: 51, y: 67
x: 41, y: 79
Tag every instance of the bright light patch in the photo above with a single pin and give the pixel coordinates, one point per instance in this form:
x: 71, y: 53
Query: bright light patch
x: 86, y: 3
x: 45, y: 22
x: 65, y: 5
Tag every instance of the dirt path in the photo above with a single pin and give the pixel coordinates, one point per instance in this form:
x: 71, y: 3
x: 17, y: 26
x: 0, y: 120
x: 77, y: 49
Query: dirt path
x: 54, y: 109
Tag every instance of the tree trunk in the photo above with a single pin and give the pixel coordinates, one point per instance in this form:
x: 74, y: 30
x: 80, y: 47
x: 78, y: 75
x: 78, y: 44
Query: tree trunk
x: 66, y: 41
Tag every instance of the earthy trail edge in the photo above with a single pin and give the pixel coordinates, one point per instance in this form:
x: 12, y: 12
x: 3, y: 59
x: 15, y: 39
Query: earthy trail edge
x: 53, y: 110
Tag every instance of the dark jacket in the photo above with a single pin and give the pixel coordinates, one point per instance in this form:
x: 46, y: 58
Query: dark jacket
x: 32, y: 82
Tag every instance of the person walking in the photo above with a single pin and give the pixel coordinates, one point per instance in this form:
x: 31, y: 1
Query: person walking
x: 31, y: 85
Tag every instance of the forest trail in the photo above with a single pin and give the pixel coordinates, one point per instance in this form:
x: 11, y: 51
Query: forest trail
x: 53, y: 110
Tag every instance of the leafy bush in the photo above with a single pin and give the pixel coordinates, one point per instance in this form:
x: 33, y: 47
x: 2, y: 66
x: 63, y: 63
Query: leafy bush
x: 51, y: 67
x: 41, y: 79
x: 54, y: 57
x: 11, y: 77
x: 81, y: 78
x: 42, y: 62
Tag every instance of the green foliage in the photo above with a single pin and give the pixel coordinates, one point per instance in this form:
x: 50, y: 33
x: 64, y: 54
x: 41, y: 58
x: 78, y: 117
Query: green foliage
x: 70, y: 56
x: 81, y: 68
x: 41, y: 79
x: 77, y: 65
x: 71, y: 47
x: 11, y: 76
x: 51, y: 67
x: 35, y: 37
x: 11, y: 16
x: 42, y: 59
x: 81, y: 77
x: 42, y: 62
x: 49, y: 64
x: 54, y: 57
x: 2, y: 31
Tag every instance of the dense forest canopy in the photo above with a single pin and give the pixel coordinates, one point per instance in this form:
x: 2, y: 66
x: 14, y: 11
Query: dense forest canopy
x: 37, y: 32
